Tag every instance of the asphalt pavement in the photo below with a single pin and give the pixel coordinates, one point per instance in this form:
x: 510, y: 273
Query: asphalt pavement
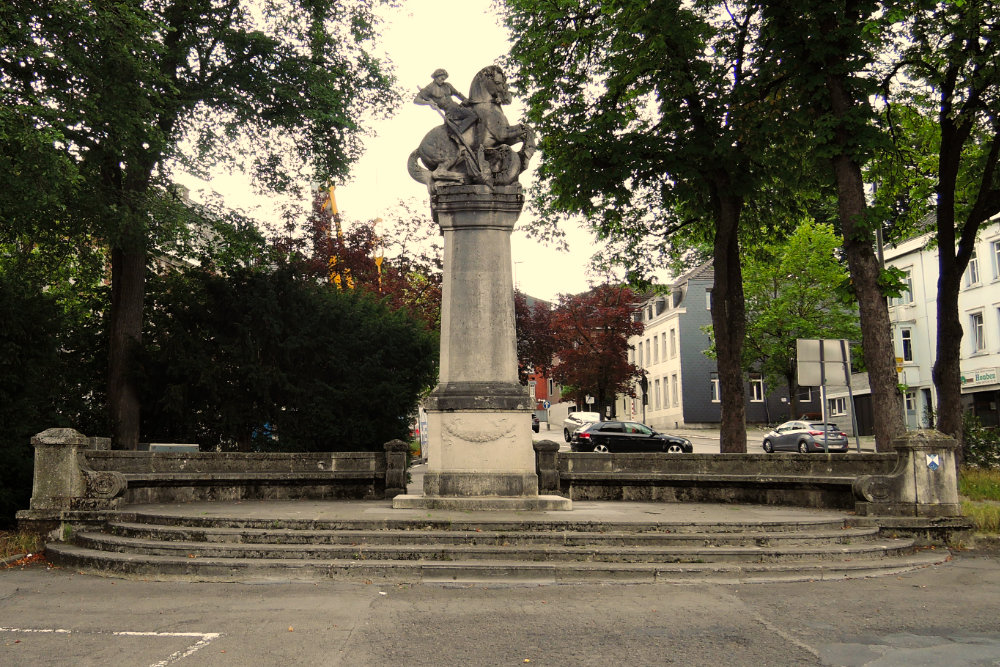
x: 941, y: 615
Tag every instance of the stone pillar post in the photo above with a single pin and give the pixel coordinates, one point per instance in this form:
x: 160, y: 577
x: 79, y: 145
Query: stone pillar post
x: 547, y: 466
x: 395, y: 468
x: 479, y: 454
x: 58, y: 480
x: 924, y: 482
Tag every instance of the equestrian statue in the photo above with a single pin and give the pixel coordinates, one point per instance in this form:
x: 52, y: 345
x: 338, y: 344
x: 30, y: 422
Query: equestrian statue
x: 475, y: 143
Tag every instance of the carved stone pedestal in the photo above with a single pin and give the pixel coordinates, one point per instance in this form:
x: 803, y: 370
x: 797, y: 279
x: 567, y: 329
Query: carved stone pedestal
x: 479, y: 453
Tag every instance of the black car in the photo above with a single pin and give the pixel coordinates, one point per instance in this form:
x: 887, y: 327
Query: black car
x: 534, y: 422
x: 617, y: 436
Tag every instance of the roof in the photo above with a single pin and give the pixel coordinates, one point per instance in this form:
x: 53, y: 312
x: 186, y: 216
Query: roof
x: 705, y: 271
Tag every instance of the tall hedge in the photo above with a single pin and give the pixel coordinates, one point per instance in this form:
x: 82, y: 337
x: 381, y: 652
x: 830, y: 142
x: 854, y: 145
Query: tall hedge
x: 273, y: 361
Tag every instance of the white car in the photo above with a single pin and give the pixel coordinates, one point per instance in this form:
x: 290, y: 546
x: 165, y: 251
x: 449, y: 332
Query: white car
x: 575, y: 420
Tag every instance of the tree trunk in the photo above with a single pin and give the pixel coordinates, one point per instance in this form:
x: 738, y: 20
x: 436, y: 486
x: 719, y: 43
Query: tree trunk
x: 729, y: 324
x: 876, y: 332
x: 947, y: 368
x: 793, y: 395
x: 128, y: 285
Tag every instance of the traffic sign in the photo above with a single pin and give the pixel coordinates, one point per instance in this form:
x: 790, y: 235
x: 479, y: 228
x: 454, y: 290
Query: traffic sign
x: 546, y: 405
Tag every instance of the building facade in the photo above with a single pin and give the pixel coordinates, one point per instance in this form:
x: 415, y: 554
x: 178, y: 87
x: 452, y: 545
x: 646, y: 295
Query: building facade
x: 913, y: 317
x: 683, y: 383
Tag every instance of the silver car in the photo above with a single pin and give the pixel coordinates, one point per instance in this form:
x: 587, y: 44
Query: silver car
x: 576, y: 420
x: 805, y: 436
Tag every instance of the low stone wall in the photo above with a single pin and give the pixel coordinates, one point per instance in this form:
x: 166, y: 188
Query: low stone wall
x: 808, y: 480
x: 918, y: 479
x: 72, y: 476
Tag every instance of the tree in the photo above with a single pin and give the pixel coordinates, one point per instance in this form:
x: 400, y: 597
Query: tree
x: 535, y: 337
x: 944, y: 113
x: 591, y: 334
x: 114, y: 93
x: 399, y: 259
x: 792, y: 291
x: 656, y: 118
x: 270, y: 359
x: 823, y: 51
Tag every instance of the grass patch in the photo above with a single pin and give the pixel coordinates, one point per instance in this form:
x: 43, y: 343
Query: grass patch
x: 979, y: 483
x: 16, y: 543
x: 985, y: 515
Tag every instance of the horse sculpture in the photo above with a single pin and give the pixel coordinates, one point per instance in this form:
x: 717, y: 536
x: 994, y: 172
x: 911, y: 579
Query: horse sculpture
x: 483, y: 153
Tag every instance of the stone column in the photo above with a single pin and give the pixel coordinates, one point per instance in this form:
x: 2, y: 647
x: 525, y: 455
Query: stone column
x: 479, y: 453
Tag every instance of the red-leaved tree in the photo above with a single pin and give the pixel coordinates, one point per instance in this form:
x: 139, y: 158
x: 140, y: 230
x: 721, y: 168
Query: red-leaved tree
x: 591, y: 333
x: 535, y: 338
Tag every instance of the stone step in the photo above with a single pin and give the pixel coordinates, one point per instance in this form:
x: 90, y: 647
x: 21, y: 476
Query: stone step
x: 514, y: 552
x: 478, y: 571
x: 522, y: 523
x: 214, y: 534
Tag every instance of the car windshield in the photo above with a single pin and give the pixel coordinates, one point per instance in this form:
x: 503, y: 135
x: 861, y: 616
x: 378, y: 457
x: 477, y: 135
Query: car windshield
x: 585, y: 416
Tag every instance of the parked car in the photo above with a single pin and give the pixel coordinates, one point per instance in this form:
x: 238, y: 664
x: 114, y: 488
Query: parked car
x: 805, y: 437
x: 575, y: 420
x: 534, y: 422
x: 618, y: 436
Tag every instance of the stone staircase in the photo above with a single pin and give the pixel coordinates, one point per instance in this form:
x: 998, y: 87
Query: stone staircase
x: 525, y: 551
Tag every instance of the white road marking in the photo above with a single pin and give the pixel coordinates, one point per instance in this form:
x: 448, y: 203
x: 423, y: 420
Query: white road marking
x: 204, y: 639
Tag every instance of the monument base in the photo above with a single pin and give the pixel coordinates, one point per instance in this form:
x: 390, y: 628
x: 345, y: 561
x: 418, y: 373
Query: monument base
x: 483, y: 503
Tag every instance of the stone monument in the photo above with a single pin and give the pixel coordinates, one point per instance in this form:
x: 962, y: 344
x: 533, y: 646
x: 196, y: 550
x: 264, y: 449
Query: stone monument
x: 479, y: 454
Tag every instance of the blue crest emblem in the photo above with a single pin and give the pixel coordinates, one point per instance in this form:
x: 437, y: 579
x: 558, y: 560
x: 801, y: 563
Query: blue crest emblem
x: 933, y: 461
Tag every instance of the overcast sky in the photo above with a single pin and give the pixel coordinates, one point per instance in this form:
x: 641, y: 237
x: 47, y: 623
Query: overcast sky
x: 462, y: 36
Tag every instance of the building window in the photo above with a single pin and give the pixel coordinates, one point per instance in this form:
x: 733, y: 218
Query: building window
x: 910, y: 398
x: 708, y: 299
x: 978, y: 331
x: 649, y: 357
x: 664, y: 339
x: 838, y: 407
x: 805, y: 394
x: 673, y: 343
x: 995, y: 253
x: 972, y: 272
x: 756, y: 389
x: 905, y: 292
x: 639, y: 355
x: 656, y: 349
x: 716, y: 394
x: 552, y: 389
x: 656, y: 395
x: 666, y: 394
x: 906, y: 339
x: 673, y: 389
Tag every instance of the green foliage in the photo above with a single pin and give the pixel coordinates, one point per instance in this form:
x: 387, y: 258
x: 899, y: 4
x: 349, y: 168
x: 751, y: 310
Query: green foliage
x: 980, y: 445
x: 29, y: 366
x: 649, y: 114
x: 269, y: 360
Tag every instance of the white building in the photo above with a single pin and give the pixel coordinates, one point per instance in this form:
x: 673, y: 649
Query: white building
x: 913, y: 317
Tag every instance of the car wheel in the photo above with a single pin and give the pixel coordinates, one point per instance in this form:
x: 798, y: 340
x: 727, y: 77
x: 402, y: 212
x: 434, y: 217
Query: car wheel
x: 674, y: 448
x: 768, y: 447
x: 566, y: 434
x: 601, y: 449
x: 803, y: 447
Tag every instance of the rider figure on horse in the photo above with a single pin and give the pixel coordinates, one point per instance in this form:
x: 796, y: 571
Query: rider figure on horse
x: 438, y: 93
